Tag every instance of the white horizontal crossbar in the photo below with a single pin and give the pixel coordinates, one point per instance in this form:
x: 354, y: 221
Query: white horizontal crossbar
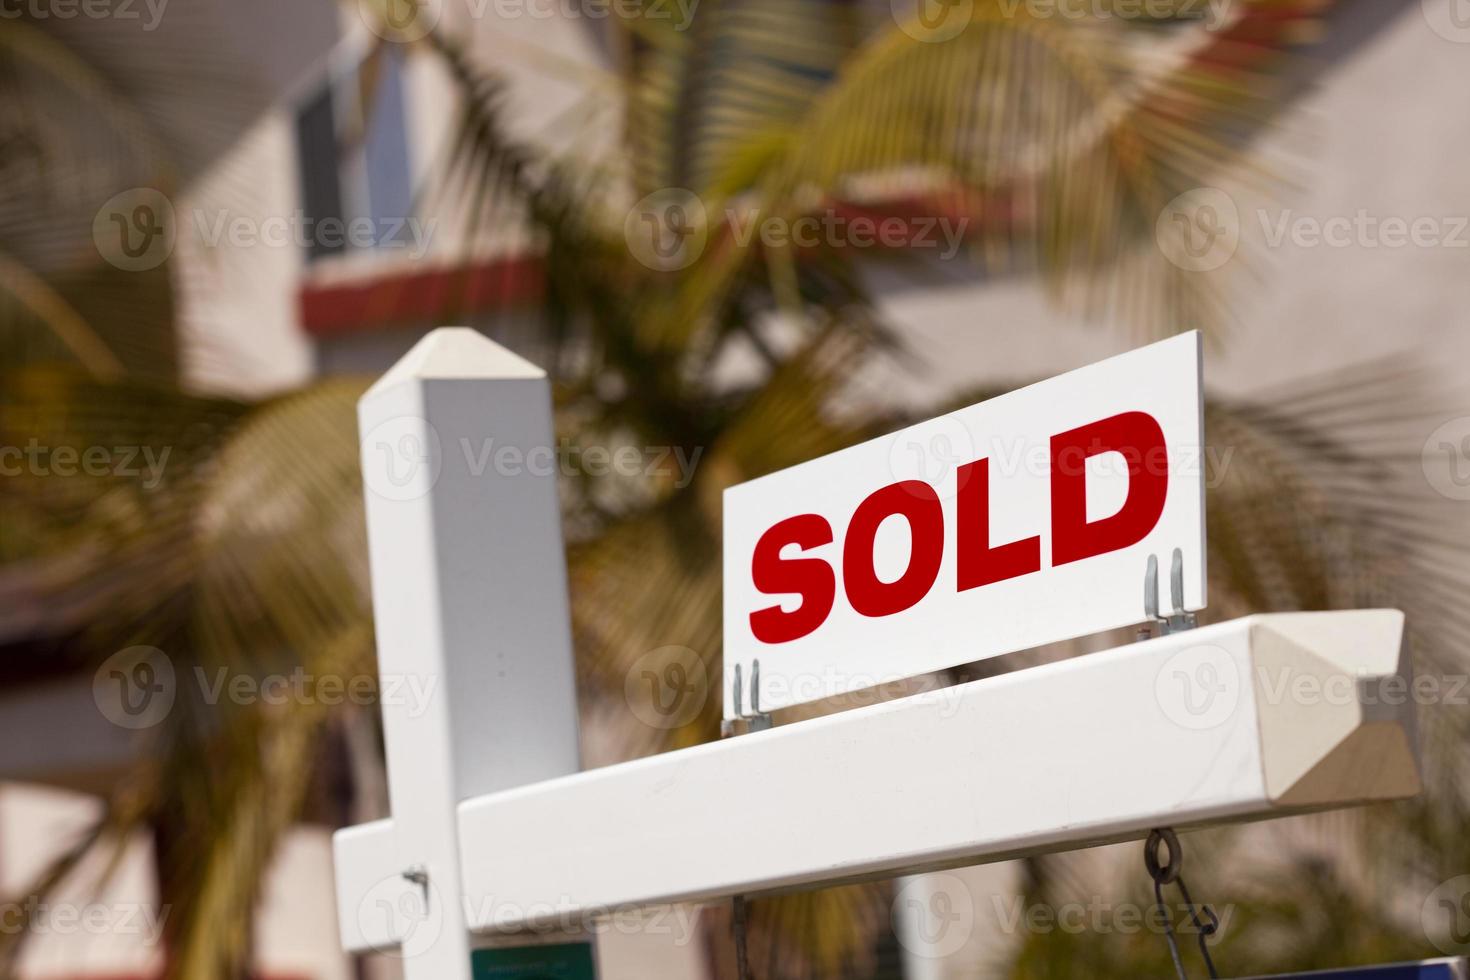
x: 1253, y: 718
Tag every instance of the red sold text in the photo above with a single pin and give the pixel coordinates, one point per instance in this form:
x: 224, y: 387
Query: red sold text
x: 1136, y: 436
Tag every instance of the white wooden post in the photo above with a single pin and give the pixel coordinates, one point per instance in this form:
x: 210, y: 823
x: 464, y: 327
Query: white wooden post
x: 473, y: 632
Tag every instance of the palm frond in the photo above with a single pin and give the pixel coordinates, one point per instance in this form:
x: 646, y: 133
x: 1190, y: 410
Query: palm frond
x: 244, y: 554
x: 45, y: 315
x: 76, y: 140
x: 703, y: 102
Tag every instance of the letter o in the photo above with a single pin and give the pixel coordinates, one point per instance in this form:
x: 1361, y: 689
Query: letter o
x: 918, y: 504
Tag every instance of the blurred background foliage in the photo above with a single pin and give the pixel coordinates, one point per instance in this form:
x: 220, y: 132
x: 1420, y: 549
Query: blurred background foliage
x: 1064, y: 137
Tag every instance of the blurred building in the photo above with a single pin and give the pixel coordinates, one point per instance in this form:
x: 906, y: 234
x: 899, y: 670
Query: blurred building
x: 328, y: 126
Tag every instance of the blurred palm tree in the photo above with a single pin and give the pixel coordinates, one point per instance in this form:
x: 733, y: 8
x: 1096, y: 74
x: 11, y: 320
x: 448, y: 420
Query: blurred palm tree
x: 1059, y: 140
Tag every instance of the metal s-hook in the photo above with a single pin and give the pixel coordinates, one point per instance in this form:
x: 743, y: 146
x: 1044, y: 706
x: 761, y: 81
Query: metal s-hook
x: 1171, y: 873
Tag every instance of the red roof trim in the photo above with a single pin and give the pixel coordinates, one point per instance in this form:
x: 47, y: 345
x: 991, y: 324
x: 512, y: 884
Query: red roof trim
x: 405, y: 298
x: 401, y: 299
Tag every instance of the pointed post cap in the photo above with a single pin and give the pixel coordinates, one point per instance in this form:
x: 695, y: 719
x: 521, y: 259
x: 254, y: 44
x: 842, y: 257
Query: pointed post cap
x: 456, y: 354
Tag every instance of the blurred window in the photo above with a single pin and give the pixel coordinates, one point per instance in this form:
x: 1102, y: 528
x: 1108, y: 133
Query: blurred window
x: 353, y: 157
x: 318, y: 162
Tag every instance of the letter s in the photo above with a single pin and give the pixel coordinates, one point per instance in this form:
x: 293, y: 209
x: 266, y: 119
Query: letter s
x: 811, y: 578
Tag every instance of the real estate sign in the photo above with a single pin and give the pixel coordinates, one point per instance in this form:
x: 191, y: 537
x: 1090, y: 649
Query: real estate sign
x: 1023, y: 520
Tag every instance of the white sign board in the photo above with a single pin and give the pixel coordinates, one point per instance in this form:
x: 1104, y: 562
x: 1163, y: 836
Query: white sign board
x: 1024, y: 520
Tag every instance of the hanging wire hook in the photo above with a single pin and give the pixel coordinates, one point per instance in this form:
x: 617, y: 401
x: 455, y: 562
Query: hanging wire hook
x: 1169, y: 874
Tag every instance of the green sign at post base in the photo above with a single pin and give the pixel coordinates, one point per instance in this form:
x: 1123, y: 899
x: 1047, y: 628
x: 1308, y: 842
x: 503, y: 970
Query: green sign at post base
x: 567, y: 961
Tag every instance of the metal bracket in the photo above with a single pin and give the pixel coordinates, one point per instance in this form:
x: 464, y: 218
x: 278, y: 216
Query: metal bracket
x: 756, y: 720
x: 419, y: 875
x: 1178, y: 620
